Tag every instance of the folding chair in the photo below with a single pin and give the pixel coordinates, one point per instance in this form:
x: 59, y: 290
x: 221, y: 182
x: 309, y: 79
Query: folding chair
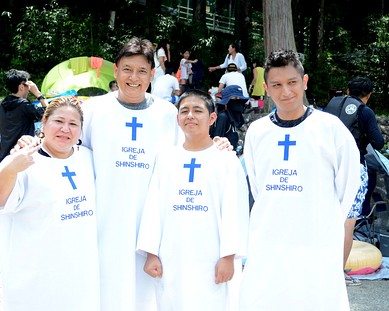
x: 364, y: 229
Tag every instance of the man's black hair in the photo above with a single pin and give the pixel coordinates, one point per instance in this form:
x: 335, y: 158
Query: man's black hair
x: 283, y: 58
x: 360, y: 87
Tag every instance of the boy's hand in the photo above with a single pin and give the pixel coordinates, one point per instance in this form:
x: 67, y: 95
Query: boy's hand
x: 224, y: 270
x: 153, y: 266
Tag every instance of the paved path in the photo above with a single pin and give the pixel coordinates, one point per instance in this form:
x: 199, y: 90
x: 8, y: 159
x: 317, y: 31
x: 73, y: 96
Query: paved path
x: 370, y: 296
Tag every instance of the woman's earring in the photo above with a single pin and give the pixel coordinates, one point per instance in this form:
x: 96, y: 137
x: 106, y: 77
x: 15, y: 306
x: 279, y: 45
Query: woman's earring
x: 40, y: 134
x: 79, y: 142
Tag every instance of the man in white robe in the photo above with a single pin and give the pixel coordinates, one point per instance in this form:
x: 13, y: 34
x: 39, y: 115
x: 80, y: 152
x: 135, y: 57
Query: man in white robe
x: 125, y: 130
x: 303, y: 167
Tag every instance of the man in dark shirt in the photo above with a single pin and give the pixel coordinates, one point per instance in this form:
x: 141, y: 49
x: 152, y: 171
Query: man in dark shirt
x: 17, y: 113
x: 361, y: 121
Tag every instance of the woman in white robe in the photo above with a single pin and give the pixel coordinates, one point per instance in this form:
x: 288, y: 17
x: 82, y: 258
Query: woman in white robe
x: 48, y: 236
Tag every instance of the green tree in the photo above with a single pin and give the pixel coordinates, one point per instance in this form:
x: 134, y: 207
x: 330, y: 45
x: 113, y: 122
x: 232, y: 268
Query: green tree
x: 50, y: 35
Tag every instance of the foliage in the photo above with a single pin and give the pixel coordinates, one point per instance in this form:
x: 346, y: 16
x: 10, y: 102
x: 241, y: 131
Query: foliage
x: 52, y: 33
x: 343, y: 59
x: 48, y: 36
x: 49, y: 30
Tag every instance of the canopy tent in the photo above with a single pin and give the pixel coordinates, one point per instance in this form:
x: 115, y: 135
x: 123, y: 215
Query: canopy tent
x: 78, y: 73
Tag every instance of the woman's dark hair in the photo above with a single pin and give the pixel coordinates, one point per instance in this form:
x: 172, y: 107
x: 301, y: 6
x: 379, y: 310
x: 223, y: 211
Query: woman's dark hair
x: 163, y: 44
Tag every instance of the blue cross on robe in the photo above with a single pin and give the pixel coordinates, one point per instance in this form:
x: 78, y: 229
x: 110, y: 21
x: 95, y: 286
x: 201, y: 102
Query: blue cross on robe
x: 286, y: 143
x: 192, y: 166
x: 134, y: 125
x: 69, y: 175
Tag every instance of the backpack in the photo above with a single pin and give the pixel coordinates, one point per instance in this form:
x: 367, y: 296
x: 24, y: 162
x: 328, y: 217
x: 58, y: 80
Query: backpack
x: 231, y: 133
x: 346, y: 108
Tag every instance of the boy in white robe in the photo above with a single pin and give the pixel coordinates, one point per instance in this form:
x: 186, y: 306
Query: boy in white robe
x: 195, y: 220
x: 303, y: 167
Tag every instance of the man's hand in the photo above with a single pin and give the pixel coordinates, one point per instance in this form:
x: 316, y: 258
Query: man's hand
x: 222, y: 143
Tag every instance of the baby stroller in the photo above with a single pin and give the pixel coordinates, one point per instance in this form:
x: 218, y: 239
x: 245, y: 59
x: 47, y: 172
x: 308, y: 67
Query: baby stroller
x: 367, y: 229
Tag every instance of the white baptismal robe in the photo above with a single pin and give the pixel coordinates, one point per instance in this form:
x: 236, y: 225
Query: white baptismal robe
x: 196, y: 212
x: 48, y: 238
x: 304, y: 180
x: 124, y: 144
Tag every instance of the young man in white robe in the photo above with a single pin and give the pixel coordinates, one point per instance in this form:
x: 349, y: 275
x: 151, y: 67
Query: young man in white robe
x: 195, y: 220
x: 303, y: 167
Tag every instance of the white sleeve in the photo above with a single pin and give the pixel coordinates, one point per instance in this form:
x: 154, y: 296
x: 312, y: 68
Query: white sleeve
x: 223, y: 79
x: 347, y: 175
x: 161, y: 53
x: 149, y: 236
x: 235, y: 212
x: 225, y: 64
x: 242, y: 62
x: 249, y: 162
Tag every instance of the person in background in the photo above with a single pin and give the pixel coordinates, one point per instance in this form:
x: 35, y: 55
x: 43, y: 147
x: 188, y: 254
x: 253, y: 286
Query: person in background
x: 113, y: 86
x: 167, y: 86
x: 48, y: 238
x: 198, y: 75
x: 362, y: 123
x: 17, y: 114
x: 308, y: 203
x: 233, y: 56
x: 161, y: 55
x: 195, y: 240
x: 256, y: 88
x: 186, y: 70
x: 233, y: 77
x: 230, y: 114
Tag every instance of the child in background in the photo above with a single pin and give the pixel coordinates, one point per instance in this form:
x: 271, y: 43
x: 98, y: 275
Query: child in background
x: 186, y: 70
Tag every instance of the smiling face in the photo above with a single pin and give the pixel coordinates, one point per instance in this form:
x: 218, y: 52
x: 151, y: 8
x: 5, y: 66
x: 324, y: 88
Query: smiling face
x: 133, y: 75
x: 62, y: 130
x: 286, y: 87
x: 194, y: 117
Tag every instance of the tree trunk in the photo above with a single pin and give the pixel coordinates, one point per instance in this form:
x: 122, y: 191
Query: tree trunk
x: 152, y: 8
x: 278, y: 25
x: 199, y: 14
x: 278, y: 31
x: 243, y: 24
